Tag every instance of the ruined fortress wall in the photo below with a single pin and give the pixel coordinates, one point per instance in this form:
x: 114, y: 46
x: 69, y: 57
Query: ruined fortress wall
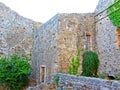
x: 72, y: 35
x: 45, y: 49
x: 57, y: 41
x: 106, y: 40
x: 15, y: 32
x: 67, y: 40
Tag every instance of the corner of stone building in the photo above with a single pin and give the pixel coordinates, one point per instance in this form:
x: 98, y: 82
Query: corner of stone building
x: 45, y: 48
x: 106, y: 40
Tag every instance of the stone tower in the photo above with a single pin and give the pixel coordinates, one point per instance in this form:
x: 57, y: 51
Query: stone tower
x: 57, y: 41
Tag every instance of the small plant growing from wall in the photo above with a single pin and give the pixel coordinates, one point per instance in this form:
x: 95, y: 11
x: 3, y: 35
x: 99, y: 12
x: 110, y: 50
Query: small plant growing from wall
x: 1, y: 54
x: 74, y: 64
x: 90, y: 64
x: 103, y: 76
x: 14, y: 72
x: 56, y: 79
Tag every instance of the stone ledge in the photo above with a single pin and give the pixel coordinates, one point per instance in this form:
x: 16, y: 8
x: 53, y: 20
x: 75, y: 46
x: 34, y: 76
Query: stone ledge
x: 88, y: 83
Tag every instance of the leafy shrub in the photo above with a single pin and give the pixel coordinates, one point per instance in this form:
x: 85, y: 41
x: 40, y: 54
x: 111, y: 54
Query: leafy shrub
x: 90, y: 64
x: 74, y: 65
x: 14, y: 72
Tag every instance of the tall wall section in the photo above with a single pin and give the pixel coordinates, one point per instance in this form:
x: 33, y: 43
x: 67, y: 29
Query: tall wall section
x: 15, y: 32
x: 106, y: 40
x: 73, y: 31
x: 45, y: 49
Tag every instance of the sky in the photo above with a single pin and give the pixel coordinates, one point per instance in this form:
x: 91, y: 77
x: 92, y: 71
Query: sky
x: 43, y: 10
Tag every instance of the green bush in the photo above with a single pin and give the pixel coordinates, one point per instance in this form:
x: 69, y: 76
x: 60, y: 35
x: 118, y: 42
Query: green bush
x: 14, y: 72
x: 90, y: 64
x: 74, y: 65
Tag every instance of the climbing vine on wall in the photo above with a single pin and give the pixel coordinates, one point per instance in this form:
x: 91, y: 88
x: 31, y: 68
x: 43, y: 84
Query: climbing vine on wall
x: 114, y: 13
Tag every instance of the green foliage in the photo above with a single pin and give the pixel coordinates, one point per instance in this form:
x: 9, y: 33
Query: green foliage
x: 114, y: 13
x: 117, y: 78
x: 74, y: 65
x: 56, y: 79
x: 116, y: 0
x: 14, y: 72
x: 90, y: 64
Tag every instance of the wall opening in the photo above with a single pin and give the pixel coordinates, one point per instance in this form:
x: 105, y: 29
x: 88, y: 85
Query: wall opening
x: 118, y: 38
x: 88, y: 45
x: 42, y: 73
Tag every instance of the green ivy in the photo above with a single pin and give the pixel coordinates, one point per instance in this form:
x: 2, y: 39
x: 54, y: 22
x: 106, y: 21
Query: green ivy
x: 14, y: 72
x: 114, y: 13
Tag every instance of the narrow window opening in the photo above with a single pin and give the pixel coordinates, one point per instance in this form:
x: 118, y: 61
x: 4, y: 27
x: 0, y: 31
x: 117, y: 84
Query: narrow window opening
x: 88, y: 42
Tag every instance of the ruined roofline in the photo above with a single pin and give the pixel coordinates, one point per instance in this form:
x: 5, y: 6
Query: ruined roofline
x: 58, y: 15
x: 102, y: 6
x: 8, y: 9
x: 49, y: 20
x: 74, y: 13
x: 64, y: 14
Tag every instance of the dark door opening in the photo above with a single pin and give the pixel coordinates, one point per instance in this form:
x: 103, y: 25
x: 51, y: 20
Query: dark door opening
x: 42, y: 74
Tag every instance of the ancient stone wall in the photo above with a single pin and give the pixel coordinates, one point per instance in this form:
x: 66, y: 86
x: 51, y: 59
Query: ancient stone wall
x: 15, y: 32
x: 57, y: 41
x: 73, y: 29
x: 106, y: 40
x: 45, y: 49
x: 71, y: 82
